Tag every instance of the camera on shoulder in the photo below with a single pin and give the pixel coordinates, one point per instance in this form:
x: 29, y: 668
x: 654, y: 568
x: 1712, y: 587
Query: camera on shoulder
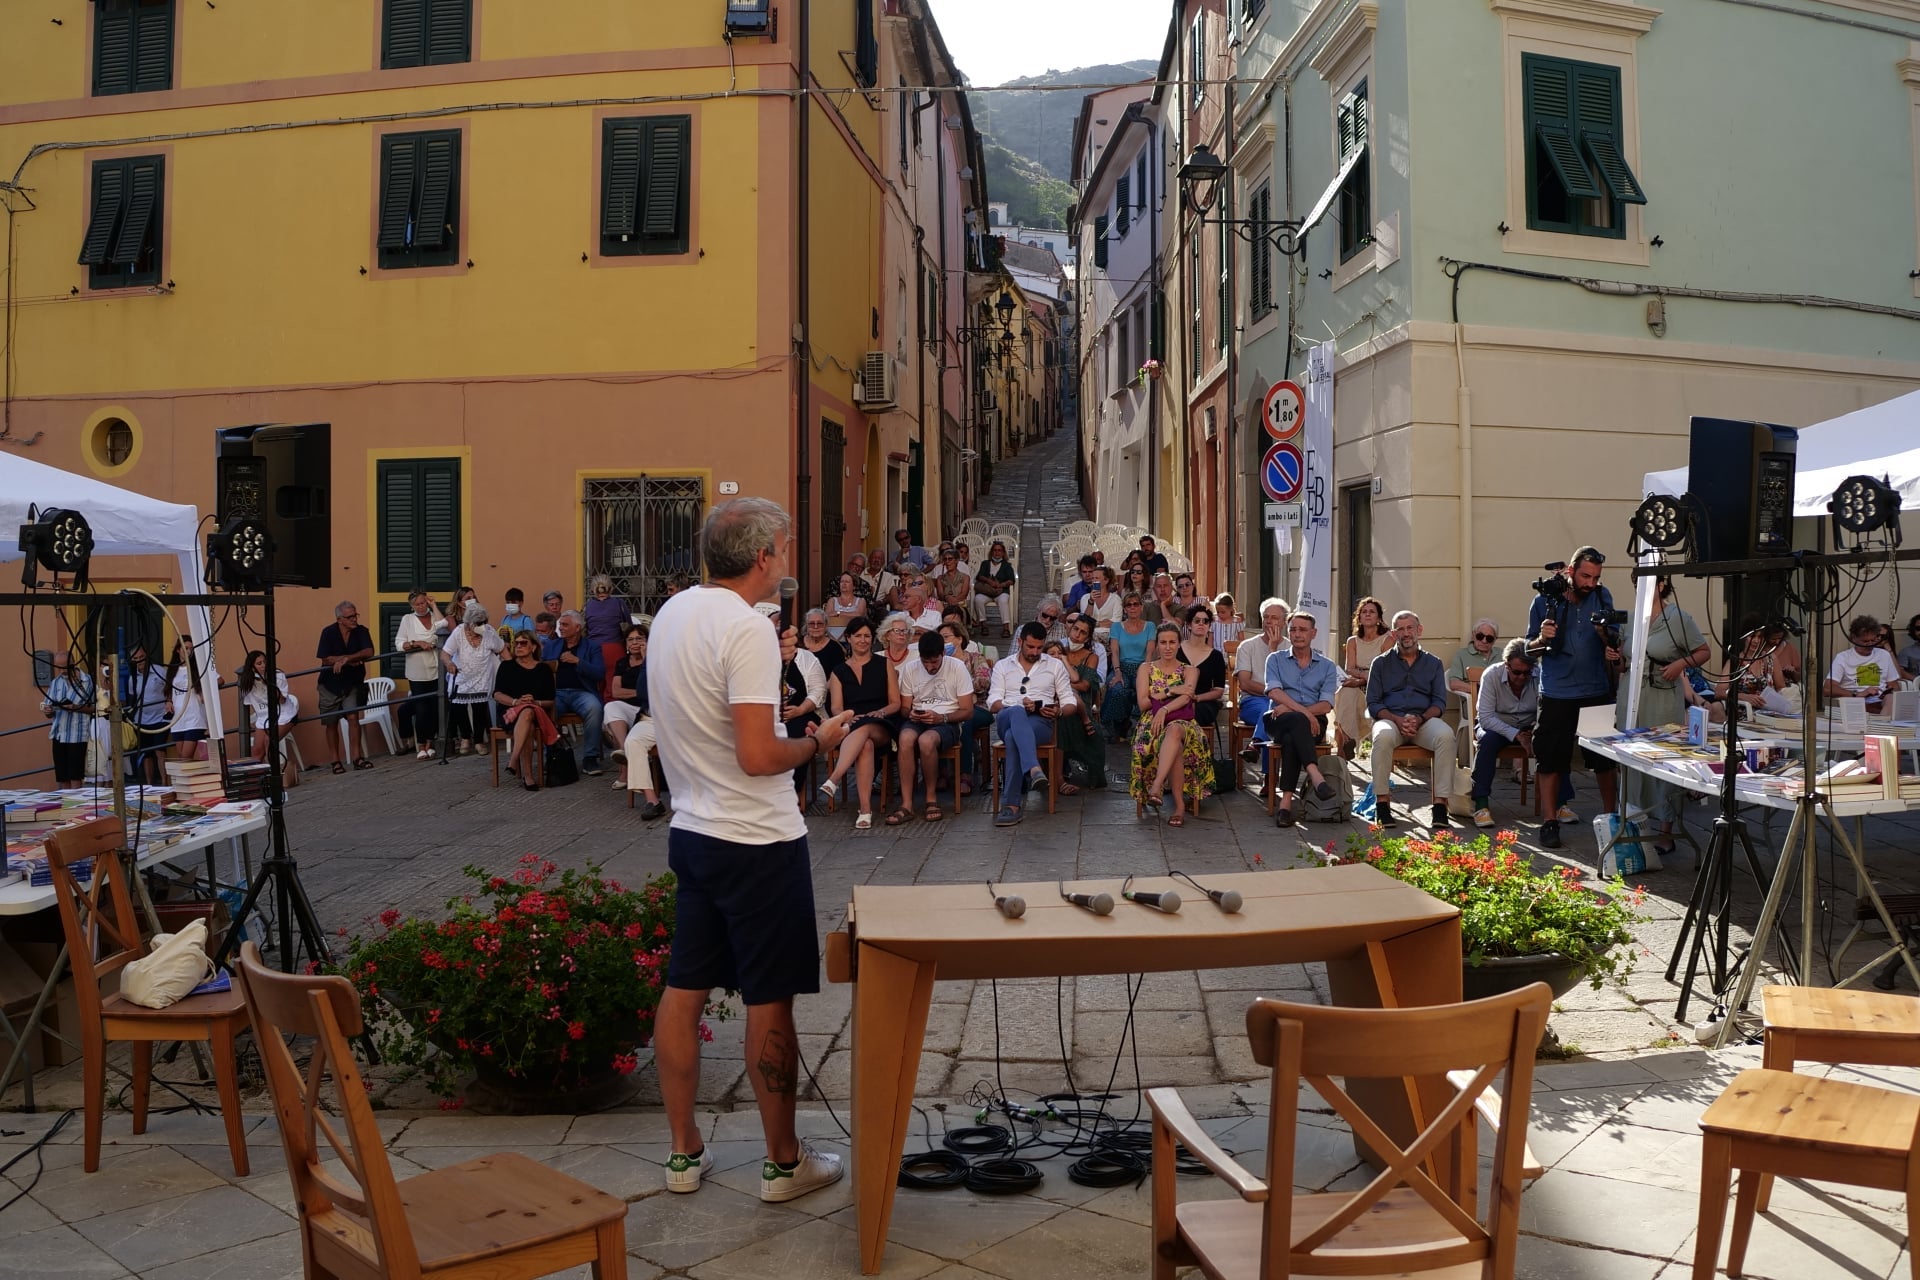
x: 1556, y: 583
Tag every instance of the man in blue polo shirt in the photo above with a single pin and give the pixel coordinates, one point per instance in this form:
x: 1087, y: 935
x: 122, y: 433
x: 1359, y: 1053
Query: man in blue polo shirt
x: 1300, y: 684
x: 1406, y: 696
x: 1576, y: 670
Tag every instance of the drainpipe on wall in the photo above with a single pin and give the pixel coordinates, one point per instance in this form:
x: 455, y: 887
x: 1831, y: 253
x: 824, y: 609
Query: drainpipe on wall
x: 920, y: 377
x: 1463, y: 415
x: 1236, y: 553
x: 802, y: 334
x: 1154, y: 450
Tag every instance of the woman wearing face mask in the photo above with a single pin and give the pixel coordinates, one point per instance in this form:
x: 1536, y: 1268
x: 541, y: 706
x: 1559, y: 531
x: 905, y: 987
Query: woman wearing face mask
x: 473, y: 651
x: 605, y: 616
x: 993, y: 587
x: 1082, y: 744
x: 960, y: 645
x: 420, y: 716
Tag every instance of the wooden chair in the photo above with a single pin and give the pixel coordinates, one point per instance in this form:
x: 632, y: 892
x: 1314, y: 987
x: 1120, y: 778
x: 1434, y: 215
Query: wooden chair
x: 1419, y: 1214
x: 500, y: 742
x: 656, y: 774
x: 498, y: 1216
x: 1769, y: 1123
x: 1050, y: 764
x: 103, y: 937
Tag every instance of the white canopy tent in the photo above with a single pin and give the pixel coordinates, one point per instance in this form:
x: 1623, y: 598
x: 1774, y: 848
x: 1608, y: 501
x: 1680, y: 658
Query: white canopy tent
x: 1882, y: 440
x: 124, y: 523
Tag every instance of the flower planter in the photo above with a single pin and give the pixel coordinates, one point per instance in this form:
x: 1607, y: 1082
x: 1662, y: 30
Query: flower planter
x: 497, y: 1093
x: 1497, y: 975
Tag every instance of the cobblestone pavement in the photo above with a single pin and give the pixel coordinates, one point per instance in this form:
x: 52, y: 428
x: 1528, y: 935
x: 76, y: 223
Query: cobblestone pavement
x: 1614, y: 1124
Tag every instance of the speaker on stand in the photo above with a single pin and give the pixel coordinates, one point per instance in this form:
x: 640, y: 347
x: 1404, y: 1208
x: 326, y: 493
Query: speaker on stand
x: 282, y: 476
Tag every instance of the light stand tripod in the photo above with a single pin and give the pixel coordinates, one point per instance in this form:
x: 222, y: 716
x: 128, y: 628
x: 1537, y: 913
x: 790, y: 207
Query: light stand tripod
x: 1710, y: 909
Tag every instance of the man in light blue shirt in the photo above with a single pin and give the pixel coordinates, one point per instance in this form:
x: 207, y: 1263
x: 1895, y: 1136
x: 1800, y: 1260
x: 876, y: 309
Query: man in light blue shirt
x: 1300, y: 683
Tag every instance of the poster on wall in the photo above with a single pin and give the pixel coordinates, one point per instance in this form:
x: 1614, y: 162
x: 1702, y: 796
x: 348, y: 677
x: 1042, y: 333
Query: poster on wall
x: 1316, y: 496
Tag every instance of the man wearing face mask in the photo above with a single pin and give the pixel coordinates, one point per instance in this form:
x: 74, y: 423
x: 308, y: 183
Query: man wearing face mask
x: 993, y: 587
x: 516, y: 619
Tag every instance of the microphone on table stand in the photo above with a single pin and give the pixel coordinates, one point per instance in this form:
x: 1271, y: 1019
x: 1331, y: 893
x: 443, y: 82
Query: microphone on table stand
x: 1011, y: 905
x: 1228, y: 900
x: 1101, y: 904
x: 1167, y: 901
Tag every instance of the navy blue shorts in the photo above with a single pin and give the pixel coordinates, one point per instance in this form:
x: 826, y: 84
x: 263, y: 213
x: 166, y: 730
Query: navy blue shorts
x: 743, y: 918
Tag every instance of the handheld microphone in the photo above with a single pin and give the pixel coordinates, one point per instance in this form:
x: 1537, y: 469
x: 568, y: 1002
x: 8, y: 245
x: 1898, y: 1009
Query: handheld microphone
x: 1012, y: 906
x: 1101, y: 904
x: 789, y: 588
x: 1228, y: 900
x: 1169, y: 901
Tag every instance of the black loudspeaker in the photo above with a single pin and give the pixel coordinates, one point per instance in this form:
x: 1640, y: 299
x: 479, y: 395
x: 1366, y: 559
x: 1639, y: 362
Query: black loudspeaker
x: 281, y: 475
x: 1740, y: 476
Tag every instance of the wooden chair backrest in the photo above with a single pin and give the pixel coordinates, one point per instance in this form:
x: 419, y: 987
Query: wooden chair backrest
x: 362, y: 1213
x: 102, y: 932
x: 1491, y: 1038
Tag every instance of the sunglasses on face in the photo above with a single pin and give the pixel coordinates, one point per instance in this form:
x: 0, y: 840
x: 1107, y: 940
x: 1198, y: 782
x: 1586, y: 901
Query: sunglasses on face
x: 1049, y: 617
x: 1483, y: 638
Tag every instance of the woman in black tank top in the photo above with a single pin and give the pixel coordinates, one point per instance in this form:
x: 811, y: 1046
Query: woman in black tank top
x: 865, y: 685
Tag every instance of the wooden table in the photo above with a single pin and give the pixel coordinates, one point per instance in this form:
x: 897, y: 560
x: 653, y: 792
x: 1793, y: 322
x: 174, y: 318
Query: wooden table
x: 1385, y: 944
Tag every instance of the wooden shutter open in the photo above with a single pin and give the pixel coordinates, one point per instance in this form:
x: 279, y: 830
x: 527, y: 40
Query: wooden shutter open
x: 1596, y: 97
x: 143, y: 197
x: 109, y: 203
x: 399, y: 525
x: 440, y: 524
x: 440, y: 157
x: 666, y: 178
x: 620, y: 178
x: 1550, y: 119
x: 1100, y: 240
x: 399, y: 163
x: 449, y: 31
x: 1122, y: 205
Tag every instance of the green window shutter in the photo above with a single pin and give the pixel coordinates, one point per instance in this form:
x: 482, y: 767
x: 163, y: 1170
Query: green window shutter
x: 403, y: 33
x: 1157, y: 330
x: 109, y: 202
x: 866, y: 45
x: 664, y: 215
x: 418, y: 523
x: 1199, y: 58
x: 449, y: 31
x: 399, y: 161
x: 440, y: 170
x: 1548, y: 88
x: 153, y: 47
x: 143, y: 197
x: 1259, y: 266
x: 620, y: 179
x: 1122, y: 206
x: 1596, y: 93
x: 112, y: 49
x: 392, y: 612
x: 1140, y: 180
x: 1100, y: 240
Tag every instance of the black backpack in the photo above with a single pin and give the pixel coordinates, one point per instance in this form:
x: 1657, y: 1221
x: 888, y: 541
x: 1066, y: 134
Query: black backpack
x: 562, y: 769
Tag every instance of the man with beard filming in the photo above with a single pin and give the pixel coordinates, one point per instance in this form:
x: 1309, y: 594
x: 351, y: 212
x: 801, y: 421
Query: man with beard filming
x: 1574, y: 629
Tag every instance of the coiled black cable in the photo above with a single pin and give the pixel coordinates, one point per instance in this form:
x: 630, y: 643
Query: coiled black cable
x: 979, y: 1140
x: 1003, y: 1177
x: 933, y: 1170
x: 1110, y: 1168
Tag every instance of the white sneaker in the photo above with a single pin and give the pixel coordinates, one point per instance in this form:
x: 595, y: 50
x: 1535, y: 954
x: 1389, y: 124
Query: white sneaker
x: 683, y: 1171
x: 1566, y: 815
x: 1483, y: 818
x: 816, y: 1169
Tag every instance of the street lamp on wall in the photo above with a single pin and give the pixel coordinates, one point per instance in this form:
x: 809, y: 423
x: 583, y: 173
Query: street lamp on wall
x: 1200, y: 179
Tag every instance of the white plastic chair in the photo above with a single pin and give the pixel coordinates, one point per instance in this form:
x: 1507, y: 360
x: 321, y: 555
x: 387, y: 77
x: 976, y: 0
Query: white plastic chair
x: 1080, y: 529
x: 1178, y: 563
x: 973, y: 525
x: 1006, y: 531
x: 375, y: 713
x: 1115, y: 530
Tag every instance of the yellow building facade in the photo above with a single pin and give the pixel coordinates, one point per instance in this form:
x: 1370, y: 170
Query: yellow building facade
x: 536, y: 265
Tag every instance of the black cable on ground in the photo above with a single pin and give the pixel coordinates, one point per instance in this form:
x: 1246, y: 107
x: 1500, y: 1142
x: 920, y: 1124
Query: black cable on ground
x: 38, y: 1152
x: 1003, y: 1177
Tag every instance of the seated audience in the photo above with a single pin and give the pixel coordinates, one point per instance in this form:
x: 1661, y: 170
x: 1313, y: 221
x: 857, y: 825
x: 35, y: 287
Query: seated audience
x: 992, y: 587
x: 1250, y: 670
x: 1082, y: 744
x: 844, y: 605
x: 866, y: 685
x: 803, y: 690
x: 1150, y: 555
x: 576, y: 684
x: 1049, y: 612
x: 936, y: 702
x: 953, y: 584
x: 523, y: 689
x: 1197, y: 651
x: 1159, y: 606
x: 1129, y: 644
x: 1300, y: 688
x: 895, y: 636
x: 818, y: 639
x: 553, y: 603
x: 544, y: 634
x: 1472, y: 657
x: 627, y: 704
x: 1369, y: 639
x: 1030, y: 691
x: 1184, y: 597
x: 1864, y: 669
x: 1169, y: 749
x: 1227, y: 625
x: 251, y: 683
x: 1099, y: 602
x: 953, y: 630
x: 907, y: 555
x: 1509, y: 703
x: 473, y: 652
x: 1406, y: 696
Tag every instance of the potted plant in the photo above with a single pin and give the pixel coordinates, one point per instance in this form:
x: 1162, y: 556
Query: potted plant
x: 543, y: 986
x: 1150, y: 371
x: 1517, y: 925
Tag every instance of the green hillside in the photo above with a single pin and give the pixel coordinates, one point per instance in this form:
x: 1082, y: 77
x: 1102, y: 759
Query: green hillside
x: 1028, y: 128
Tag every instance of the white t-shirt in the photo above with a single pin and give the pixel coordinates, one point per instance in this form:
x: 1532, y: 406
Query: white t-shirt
x: 423, y: 665
x: 190, y: 710
x: 936, y: 691
x: 1857, y: 673
x: 709, y: 651
x: 1251, y: 658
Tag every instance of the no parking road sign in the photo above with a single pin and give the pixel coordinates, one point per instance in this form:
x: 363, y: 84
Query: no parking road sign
x: 1283, y: 472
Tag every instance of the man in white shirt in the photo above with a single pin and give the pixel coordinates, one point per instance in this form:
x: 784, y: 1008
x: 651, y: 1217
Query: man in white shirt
x: 1866, y: 670
x: 737, y: 844
x: 925, y: 617
x: 936, y: 701
x: 1028, y: 693
x: 1250, y: 670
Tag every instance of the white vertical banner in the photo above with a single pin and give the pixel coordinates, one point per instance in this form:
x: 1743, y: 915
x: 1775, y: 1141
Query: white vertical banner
x: 1316, y: 494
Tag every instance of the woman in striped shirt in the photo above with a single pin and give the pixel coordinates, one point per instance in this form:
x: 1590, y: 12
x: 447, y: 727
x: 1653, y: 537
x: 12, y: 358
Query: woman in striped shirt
x: 69, y: 704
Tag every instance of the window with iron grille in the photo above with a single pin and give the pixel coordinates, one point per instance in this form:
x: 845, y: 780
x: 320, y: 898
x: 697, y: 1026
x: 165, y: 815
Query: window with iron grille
x: 421, y: 33
x: 132, y: 46
x: 121, y: 247
x: 645, y: 170
x: 420, y: 199
x: 641, y: 531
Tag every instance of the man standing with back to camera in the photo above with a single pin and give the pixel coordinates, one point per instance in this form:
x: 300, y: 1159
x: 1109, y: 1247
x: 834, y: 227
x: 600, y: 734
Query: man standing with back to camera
x: 737, y: 844
x: 1576, y: 670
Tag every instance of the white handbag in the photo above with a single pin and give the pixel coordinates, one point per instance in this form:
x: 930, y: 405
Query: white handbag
x: 175, y: 964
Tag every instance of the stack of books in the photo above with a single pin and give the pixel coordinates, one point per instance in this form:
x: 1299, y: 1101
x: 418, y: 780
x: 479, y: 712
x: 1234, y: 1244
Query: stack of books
x: 247, y: 780
x: 1850, y: 780
x: 196, y: 782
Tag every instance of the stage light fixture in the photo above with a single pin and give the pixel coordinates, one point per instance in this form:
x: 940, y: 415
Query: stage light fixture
x: 1661, y: 521
x: 1864, y: 505
x: 58, y: 540
x: 240, y: 556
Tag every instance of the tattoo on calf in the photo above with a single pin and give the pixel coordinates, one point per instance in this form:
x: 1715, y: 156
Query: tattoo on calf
x: 776, y: 1062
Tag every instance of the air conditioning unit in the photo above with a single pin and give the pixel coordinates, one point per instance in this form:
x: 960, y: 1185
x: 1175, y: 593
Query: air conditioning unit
x: 873, y: 389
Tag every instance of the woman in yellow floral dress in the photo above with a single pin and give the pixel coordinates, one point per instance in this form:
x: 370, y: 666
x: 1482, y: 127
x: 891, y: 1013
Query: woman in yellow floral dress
x: 1169, y: 750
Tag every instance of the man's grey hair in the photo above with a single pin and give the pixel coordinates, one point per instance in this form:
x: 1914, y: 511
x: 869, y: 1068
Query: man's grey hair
x: 1488, y: 623
x: 1040, y: 605
x: 1404, y: 613
x: 579, y: 620
x: 1313, y: 619
x: 815, y: 613
x: 343, y: 608
x: 1516, y: 648
x: 1274, y: 602
x: 737, y: 531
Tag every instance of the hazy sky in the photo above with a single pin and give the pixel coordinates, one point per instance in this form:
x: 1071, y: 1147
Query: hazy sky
x: 999, y: 40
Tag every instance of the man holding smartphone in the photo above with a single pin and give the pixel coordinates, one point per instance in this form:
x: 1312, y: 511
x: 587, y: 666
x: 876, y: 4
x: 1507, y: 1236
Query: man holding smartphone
x: 936, y: 695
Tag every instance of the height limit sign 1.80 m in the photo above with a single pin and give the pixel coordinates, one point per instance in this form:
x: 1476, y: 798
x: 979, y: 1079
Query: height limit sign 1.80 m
x: 1283, y: 472
x: 1283, y: 410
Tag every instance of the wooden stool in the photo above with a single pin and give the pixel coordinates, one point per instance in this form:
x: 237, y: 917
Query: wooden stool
x: 1049, y: 764
x: 500, y: 741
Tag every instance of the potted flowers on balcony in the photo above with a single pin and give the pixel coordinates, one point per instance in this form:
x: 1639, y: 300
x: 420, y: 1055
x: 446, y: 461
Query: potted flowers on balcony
x: 1150, y: 371
x: 540, y: 988
x: 1517, y: 925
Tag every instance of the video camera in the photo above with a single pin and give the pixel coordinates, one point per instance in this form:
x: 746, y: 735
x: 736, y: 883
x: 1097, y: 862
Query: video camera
x: 1555, y: 586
